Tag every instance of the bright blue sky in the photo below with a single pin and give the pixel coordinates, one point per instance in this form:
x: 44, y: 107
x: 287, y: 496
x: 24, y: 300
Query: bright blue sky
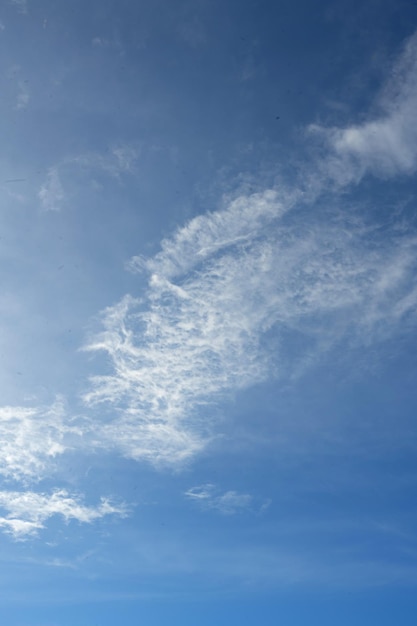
x: 208, y: 312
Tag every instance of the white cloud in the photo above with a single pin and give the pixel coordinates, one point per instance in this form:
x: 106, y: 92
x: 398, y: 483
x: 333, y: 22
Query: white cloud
x: 234, y: 298
x: 387, y: 143
x: 227, y: 503
x: 27, y: 512
x: 51, y: 194
x: 31, y: 438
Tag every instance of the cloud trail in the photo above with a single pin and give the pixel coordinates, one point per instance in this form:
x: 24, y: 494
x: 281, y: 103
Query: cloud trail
x: 27, y: 511
x: 209, y: 497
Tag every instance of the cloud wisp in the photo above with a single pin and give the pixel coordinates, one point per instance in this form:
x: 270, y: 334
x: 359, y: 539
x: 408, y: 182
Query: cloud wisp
x: 27, y: 512
x: 209, y: 497
x: 386, y: 144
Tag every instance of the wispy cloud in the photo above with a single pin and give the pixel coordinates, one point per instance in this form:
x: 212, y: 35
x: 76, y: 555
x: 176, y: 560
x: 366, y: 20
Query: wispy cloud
x: 27, y: 512
x: 31, y: 438
x: 208, y: 496
x: 51, y: 194
x: 261, y: 288
x: 174, y: 358
x: 206, y: 235
x: 234, y: 298
x: 385, y: 144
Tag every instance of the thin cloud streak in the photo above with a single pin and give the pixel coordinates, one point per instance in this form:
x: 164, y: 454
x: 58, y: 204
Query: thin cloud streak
x: 209, y: 497
x: 28, y: 511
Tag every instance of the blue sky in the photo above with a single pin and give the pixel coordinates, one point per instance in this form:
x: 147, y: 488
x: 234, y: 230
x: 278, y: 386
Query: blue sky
x: 208, y: 312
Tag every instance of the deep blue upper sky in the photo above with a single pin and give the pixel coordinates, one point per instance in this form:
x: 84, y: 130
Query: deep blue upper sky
x: 208, y: 312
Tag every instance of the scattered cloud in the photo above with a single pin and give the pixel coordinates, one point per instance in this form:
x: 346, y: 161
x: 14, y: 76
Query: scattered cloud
x: 208, y: 496
x: 51, y: 194
x: 31, y: 438
x: 27, y: 512
x: 385, y: 144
